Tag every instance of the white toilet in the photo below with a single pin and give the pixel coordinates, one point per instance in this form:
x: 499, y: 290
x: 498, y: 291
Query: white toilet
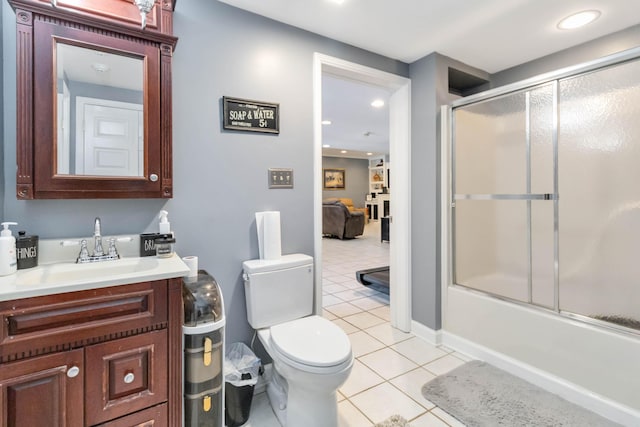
x: 311, y: 355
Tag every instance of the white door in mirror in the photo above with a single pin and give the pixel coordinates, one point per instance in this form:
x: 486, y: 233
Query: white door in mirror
x: 111, y: 142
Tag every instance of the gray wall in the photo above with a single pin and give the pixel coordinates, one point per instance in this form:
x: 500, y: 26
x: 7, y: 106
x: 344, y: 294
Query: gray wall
x: 3, y: 137
x: 429, y: 91
x: 356, y: 179
x: 220, y: 177
x: 617, y: 42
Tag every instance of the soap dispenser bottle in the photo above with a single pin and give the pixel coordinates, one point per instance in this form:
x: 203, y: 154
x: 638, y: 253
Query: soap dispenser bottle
x: 8, y: 259
x: 165, y: 240
x: 165, y: 226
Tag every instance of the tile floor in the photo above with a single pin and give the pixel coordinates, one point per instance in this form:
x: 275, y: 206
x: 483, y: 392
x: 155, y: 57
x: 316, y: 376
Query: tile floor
x: 390, y: 366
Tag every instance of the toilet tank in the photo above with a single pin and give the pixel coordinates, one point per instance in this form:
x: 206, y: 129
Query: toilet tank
x: 279, y: 290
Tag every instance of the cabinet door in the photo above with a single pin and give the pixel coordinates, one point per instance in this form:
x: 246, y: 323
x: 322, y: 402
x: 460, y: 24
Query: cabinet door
x: 43, y: 391
x: 125, y: 376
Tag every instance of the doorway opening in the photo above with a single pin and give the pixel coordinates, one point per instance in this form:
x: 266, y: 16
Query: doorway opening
x: 399, y: 149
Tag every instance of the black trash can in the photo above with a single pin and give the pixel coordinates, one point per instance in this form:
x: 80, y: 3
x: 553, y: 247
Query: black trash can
x: 237, y: 402
x: 242, y: 369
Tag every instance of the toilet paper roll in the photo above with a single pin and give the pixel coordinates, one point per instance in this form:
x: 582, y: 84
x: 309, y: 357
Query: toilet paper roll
x: 268, y: 226
x: 192, y: 263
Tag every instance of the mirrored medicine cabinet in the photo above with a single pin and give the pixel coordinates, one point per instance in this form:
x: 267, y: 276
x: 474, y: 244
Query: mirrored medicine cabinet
x: 93, y: 99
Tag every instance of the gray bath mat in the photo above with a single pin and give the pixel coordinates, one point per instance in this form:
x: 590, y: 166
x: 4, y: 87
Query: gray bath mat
x: 479, y: 394
x: 393, y: 421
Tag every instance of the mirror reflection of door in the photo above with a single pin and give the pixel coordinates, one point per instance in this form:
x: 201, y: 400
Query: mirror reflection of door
x: 110, y: 141
x: 100, y: 116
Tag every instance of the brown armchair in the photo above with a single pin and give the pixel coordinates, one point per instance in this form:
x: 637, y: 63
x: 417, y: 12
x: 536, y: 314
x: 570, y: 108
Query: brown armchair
x: 338, y: 221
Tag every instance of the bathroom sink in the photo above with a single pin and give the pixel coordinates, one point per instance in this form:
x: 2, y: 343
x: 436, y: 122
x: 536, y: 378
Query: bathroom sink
x: 72, y: 272
x: 68, y: 276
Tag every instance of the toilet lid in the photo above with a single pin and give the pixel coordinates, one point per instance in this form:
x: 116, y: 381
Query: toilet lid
x: 312, y: 340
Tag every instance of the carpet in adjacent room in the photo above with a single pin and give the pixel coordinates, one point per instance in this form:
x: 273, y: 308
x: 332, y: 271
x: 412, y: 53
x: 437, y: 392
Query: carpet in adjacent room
x: 480, y: 395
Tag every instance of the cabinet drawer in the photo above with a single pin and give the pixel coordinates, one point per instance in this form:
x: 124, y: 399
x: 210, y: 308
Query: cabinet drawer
x: 151, y: 417
x: 125, y: 376
x: 51, y: 323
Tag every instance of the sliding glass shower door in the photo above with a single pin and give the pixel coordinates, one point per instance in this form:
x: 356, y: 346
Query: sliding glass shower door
x: 546, y: 194
x: 599, y: 177
x: 504, y: 191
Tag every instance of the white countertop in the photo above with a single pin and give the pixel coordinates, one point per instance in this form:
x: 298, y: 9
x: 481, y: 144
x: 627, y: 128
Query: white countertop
x: 67, y: 276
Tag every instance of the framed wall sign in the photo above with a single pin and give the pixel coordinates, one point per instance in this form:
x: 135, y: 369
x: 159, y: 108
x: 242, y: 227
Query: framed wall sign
x: 333, y: 179
x: 252, y: 116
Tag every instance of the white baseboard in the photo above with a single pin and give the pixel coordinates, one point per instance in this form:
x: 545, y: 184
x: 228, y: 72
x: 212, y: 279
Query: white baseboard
x: 573, y: 393
x: 426, y: 333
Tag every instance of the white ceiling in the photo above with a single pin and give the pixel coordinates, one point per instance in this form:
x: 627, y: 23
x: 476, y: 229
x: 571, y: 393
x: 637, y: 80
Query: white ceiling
x: 491, y: 35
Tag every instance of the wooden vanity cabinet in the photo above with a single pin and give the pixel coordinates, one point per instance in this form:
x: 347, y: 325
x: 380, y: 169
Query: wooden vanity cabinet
x: 39, y: 392
x: 107, y: 357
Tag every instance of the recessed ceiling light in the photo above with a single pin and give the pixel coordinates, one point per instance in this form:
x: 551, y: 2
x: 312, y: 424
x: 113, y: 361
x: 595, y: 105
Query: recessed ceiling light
x: 326, y: 122
x: 344, y: 151
x: 326, y: 146
x: 99, y: 67
x: 337, y: 1
x: 578, y: 20
x: 369, y: 154
x: 378, y: 103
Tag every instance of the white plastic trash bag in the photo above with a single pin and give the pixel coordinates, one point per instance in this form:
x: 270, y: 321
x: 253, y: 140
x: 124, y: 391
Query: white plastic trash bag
x: 239, y: 361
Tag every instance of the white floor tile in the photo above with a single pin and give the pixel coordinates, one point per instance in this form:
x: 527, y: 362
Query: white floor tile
x: 443, y: 365
x: 328, y: 315
x: 353, y: 284
x: 350, y: 416
x: 387, y: 363
x: 360, y: 379
x: 388, y: 334
x: 369, y: 303
x: 261, y: 414
x: 347, y: 327
x: 362, y: 343
x: 329, y: 300
x: 428, y: 420
x: 343, y: 309
x: 382, y: 312
x: 332, y: 289
x: 411, y: 384
x: 418, y: 350
x: 363, y: 320
x: 384, y: 400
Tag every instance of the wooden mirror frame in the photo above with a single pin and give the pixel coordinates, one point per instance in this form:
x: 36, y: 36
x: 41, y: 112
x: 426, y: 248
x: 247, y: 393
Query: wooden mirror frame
x: 113, y: 25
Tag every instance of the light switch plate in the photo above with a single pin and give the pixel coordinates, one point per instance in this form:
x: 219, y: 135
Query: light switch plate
x: 280, y: 178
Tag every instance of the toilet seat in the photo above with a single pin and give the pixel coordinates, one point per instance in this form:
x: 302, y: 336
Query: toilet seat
x: 312, y: 344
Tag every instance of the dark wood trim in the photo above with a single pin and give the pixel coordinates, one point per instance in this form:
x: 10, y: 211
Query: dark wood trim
x: 47, y: 324
x: 175, y: 352
x: 118, y: 16
x: 166, y: 102
x: 108, y: 25
x: 24, y: 107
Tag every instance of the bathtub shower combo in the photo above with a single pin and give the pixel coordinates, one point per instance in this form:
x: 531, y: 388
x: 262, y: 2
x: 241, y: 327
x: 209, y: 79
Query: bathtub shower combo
x: 545, y: 192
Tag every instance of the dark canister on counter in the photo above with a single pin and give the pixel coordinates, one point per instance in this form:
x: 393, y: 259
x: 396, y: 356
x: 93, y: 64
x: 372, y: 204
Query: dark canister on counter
x: 26, y: 250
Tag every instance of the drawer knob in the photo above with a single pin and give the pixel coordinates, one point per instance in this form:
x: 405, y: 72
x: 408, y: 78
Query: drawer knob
x: 73, y: 372
x: 128, y: 379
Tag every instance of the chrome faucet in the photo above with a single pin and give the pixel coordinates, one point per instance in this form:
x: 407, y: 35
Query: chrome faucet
x: 98, y: 251
x: 97, y: 239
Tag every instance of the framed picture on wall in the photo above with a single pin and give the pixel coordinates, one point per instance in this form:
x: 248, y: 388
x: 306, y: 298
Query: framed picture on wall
x: 333, y: 179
